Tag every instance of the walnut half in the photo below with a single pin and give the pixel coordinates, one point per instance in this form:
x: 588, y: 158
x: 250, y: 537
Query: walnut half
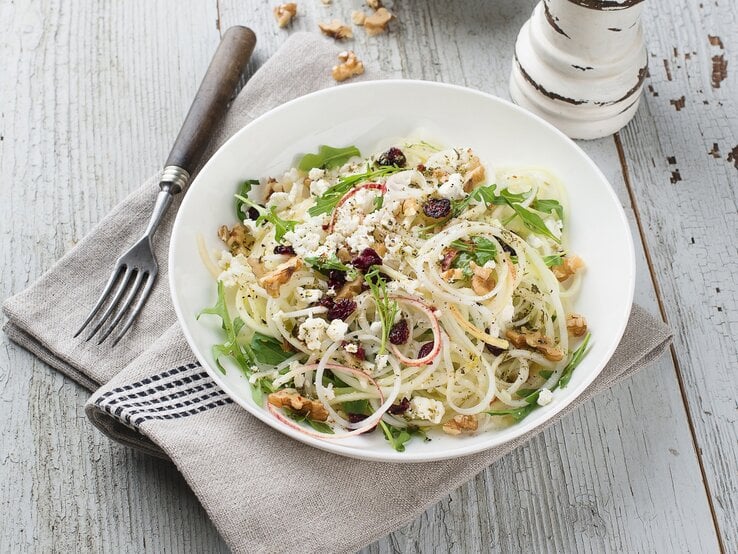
x: 284, y: 13
x: 237, y: 238
x: 576, y: 324
x: 570, y: 265
x: 313, y: 409
x: 350, y: 65
x: 336, y: 29
x: 461, y: 424
x: 376, y: 23
x: 273, y: 280
x: 537, y: 341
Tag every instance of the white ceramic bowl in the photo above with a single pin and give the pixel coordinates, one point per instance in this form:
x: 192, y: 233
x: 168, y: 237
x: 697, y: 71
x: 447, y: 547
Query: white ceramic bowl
x: 363, y: 114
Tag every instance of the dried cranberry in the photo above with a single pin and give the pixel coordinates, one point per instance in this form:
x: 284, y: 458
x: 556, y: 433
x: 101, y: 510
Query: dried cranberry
x: 356, y: 418
x: 366, y: 259
x: 393, y: 156
x: 426, y: 349
x: 421, y: 168
x: 253, y: 213
x: 399, y: 332
x: 336, y: 278
x: 341, y: 309
x: 507, y: 248
x: 437, y: 208
x: 284, y: 249
x: 401, y: 408
x: 494, y: 350
x: 326, y: 302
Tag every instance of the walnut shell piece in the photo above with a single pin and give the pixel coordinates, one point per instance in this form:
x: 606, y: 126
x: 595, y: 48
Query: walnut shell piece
x: 570, y: 265
x: 284, y: 14
x: 576, y: 324
x: 350, y: 65
x: 238, y: 239
x: 537, y: 341
x: 336, y: 29
x: 461, y: 424
x: 376, y: 23
x: 273, y: 280
x: 312, y: 409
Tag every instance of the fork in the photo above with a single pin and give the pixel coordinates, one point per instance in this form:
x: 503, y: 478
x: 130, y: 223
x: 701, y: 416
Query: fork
x: 135, y: 272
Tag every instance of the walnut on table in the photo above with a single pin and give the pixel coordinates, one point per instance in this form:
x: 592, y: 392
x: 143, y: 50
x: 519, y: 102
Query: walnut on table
x: 376, y: 23
x: 336, y: 29
x: 576, y: 324
x: 273, y: 280
x: 374, y: 4
x: 461, y: 424
x: 537, y: 341
x: 313, y: 409
x: 358, y: 17
x: 284, y: 13
x: 350, y: 65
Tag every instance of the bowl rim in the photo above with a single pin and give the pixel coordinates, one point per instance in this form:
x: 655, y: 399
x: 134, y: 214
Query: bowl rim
x: 388, y: 454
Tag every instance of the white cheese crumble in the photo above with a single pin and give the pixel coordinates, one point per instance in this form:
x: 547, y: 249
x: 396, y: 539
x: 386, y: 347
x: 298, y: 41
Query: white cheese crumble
x: 426, y: 408
x: 337, y: 330
x: 352, y: 348
x: 312, y: 332
x: 318, y: 187
x: 279, y: 200
x: 544, y: 397
x: 316, y: 173
x: 453, y: 188
x: 381, y: 361
x: 235, y: 269
x: 330, y: 394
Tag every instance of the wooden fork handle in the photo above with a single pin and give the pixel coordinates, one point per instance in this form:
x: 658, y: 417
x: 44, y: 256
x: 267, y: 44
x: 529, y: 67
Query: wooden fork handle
x: 209, y: 106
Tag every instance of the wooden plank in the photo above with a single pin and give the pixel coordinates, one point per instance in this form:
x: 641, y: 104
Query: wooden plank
x: 621, y: 473
x: 682, y: 149
x: 89, y: 94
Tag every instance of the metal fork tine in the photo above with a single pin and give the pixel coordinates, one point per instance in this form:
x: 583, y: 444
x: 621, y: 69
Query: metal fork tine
x: 137, y: 308
x: 123, y: 307
x: 108, y: 287
x: 116, y: 298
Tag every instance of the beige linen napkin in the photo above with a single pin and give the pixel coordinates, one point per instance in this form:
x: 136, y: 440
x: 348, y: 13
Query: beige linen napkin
x: 264, y: 491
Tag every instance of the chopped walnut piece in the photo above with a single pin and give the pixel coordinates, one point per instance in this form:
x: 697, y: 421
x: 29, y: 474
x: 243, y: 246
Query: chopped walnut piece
x: 536, y: 340
x: 273, y: 280
x: 380, y: 249
x: 374, y: 4
x: 350, y: 65
x: 237, y: 239
x: 377, y: 23
x: 358, y: 17
x: 326, y: 2
x: 410, y: 207
x: 576, y: 324
x: 284, y: 13
x: 474, y: 173
x: 272, y: 186
x: 461, y: 424
x: 257, y: 267
x: 351, y: 289
x: 452, y: 274
x: 336, y: 29
x: 570, y: 265
x: 313, y: 409
x: 482, y: 280
x: 344, y: 255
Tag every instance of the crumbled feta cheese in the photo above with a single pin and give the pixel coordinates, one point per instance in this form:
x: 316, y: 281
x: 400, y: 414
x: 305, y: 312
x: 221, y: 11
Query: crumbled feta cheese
x: 545, y: 397
x: 490, y: 264
x: 317, y: 188
x: 279, y: 200
x: 309, y: 295
x: 312, y: 332
x: 352, y: 348
x: 299, y: 380
x: 330, y: 394
x: 381, y: 361
x: 361, y: 238
x: 554, y: 225
x: 446, y: 160
x: 506, y: 315
x: 235, y: 269
x: 453, y: 188
x: 426, y: 408
x: 250, y: 225
x: 337, y: 330
x: 316, y: 173
x: 291, y: 176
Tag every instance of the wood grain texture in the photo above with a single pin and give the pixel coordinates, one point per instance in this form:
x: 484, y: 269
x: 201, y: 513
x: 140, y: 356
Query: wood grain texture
x: 96, y: 95
x: 684, y: 167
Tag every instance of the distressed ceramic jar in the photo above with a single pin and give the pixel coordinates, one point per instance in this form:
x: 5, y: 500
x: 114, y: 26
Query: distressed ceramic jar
x: 580, y: 64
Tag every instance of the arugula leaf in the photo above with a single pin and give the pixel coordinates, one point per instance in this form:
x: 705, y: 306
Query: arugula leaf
x: 480, y: 251
x: 231, y: 348
x: 281, y: 226
x: 243, y: 190
x: 554, y: 260
x: 357, y: 407
x: 575, y: 360
x: 531, y: 395
x: 326, y: 264
x: 378, y: 202
x: 549, y: 206
x: 268, y: 350
x: 397, y: 437
x: 319, y: 426
x: 328, y: 157
x: 533, y: 221
x: 507, y: 197
x: 328, y: 200
x: 260, y: 388
x: 482, y: 194
x: 386, y: 307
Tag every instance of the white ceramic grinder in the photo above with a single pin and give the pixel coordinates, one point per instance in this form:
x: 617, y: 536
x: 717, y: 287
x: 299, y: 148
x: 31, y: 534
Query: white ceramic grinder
x: 580, y: 64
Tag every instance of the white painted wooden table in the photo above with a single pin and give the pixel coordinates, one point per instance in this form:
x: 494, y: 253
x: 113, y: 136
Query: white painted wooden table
x: 91, y: 97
